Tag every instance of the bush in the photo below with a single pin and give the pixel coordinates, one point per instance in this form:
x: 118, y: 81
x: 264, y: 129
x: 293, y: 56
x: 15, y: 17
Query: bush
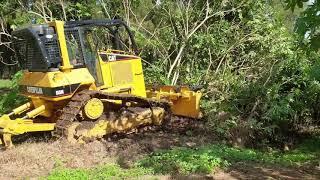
x: 12, y: 99
x: 267, y: 86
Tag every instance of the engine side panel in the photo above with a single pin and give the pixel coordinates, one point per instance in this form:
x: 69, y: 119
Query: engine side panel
x: 122, y: 74
x: 52, y: 88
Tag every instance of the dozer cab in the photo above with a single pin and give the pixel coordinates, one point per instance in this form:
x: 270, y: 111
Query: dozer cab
x: 84, y: 80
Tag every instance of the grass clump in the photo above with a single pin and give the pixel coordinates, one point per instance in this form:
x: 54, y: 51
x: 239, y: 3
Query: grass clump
x: 4, y: 83
x: 206, y: 159
x: 111, y: 171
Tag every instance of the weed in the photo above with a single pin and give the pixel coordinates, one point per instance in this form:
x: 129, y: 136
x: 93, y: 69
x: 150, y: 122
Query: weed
x: 61, y: 174
x: 110, y: 171
x: 206, y: 159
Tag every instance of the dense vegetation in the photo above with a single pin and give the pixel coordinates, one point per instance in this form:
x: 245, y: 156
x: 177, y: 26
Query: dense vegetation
x: 260, y: 78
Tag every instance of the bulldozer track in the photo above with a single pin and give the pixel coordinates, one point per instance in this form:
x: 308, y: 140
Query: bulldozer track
x: 70, y: 113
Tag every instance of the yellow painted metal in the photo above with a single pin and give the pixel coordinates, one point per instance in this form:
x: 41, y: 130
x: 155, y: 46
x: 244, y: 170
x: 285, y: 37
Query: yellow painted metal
x: 93, y: 108
x: 6, y: 141
x: 9, y: 127
x: 22, y: 108
x: 121, y: 73
x: 79, y: 76
x: 49, y: 106
x: 123, y: 76
x: 59, y: 27
x: 57, y: 79
x: 124, y: 123
x: 34, y: 113
x: 184, y: 102
x: 51, y: 80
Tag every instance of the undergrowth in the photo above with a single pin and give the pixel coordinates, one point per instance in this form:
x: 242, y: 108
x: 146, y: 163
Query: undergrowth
x: 206, y: 159
x: 11, y: 99
x: 196, y: 160
x: 111, y: 171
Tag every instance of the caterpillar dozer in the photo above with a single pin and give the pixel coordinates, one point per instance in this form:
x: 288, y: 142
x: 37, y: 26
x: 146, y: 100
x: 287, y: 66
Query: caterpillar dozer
x: 84, y: 80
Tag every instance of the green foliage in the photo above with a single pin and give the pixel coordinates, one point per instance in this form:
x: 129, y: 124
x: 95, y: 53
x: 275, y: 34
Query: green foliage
x: 183, y: 161
x: 307, y: 24
x: 5, y: 83
x: 287, y: 99
x: 12, y: 98
x: 267, y: 86
x: 104, y: 172
x: 206, y: 159
x: 291, y: 4
x: 68, y: 174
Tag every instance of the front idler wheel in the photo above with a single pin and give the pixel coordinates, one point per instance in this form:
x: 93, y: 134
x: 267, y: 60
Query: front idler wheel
x: 93, y: 109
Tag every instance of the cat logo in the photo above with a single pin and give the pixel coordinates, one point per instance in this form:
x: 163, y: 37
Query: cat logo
x: 34, y: 90
x: 112, y: 58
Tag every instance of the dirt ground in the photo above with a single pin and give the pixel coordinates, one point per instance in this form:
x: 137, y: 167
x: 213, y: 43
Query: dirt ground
x: 37, y: 157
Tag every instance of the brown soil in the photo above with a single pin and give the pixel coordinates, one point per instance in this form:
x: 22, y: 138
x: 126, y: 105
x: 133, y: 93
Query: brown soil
x: 261, y: 171
x: 39, y: 157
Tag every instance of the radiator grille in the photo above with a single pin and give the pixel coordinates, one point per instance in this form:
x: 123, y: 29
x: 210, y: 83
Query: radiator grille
x: 36, y: 52
x: 28, y: 54
x: 52, y: 48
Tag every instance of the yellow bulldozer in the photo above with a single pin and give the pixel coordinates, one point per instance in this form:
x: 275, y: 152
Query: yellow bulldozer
x: 84, y: 81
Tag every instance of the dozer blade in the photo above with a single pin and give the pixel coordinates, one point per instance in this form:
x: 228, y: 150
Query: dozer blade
x: 183, y: 101
x: 10, y: 127
x: 5, y: 140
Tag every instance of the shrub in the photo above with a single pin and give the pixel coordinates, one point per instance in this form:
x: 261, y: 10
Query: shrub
x: 12, y: 99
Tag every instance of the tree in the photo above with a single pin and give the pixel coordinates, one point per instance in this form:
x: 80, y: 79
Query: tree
x: 308, y: 23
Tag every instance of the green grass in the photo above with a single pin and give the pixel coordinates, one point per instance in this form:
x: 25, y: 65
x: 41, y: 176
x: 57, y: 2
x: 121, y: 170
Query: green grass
x: 197, y: 160
x: 5, y: 83
x: 111, y: 171
x: 206, y: 159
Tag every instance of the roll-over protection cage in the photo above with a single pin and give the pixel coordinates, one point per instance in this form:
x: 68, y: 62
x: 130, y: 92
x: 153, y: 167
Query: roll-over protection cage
x: 37, y: 47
